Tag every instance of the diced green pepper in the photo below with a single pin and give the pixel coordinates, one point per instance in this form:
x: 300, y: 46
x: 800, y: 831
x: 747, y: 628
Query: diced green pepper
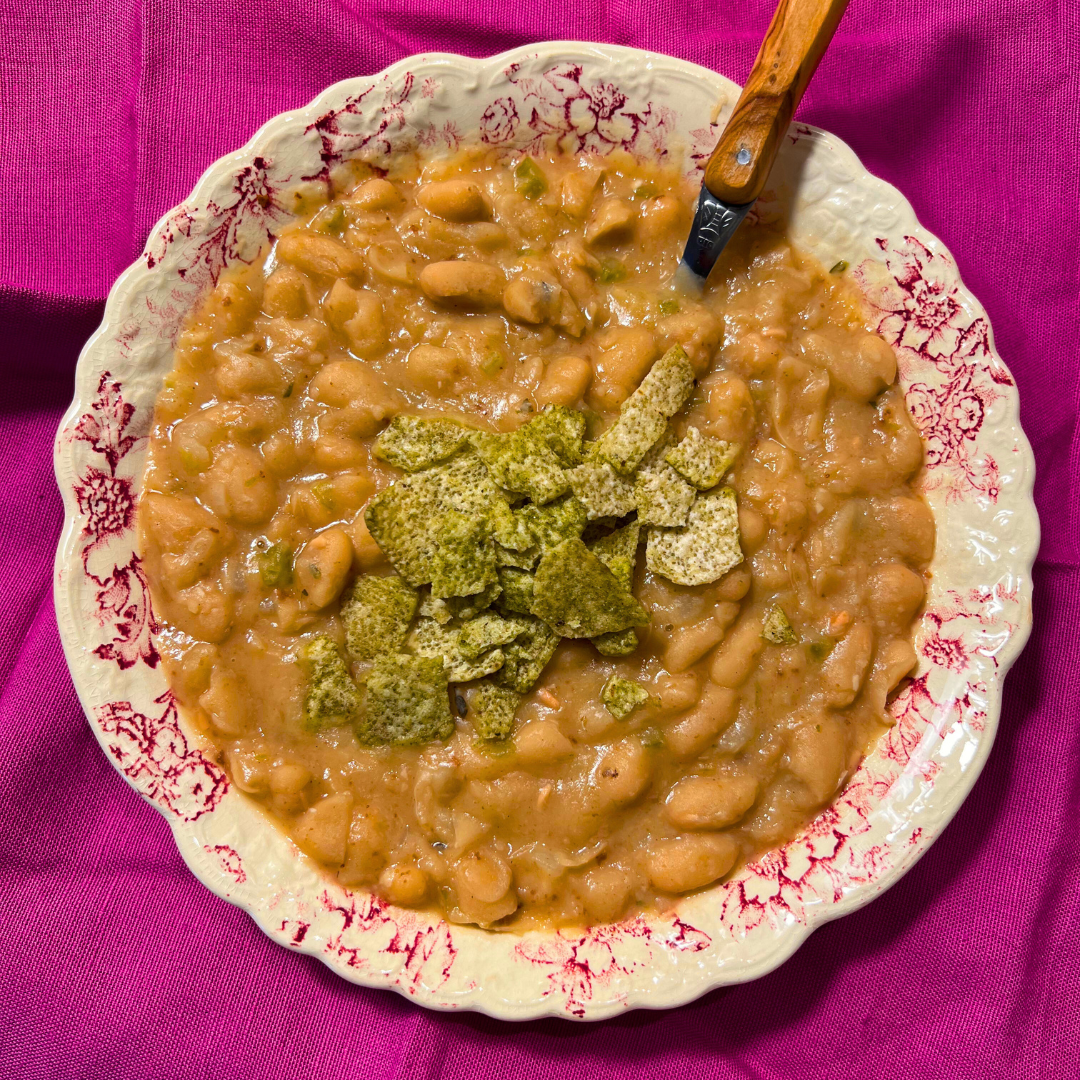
x: 610, y: 271
x: 275, y: 566
x: 529, y: 179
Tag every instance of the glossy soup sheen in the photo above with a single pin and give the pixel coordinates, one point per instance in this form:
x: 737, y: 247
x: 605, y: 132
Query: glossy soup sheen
x: 548, y: 283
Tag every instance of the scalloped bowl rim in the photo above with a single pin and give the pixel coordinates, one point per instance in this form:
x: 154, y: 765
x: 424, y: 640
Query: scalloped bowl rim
x: 223, y: 169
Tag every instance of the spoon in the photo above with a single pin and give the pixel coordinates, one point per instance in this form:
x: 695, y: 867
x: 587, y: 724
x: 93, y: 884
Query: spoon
x: 739, y: 167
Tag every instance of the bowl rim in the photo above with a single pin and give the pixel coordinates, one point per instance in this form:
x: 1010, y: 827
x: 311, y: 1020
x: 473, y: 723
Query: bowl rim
x: 561, y: 50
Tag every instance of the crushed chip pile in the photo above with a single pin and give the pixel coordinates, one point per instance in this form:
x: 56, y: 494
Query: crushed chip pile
x: 503, y: 543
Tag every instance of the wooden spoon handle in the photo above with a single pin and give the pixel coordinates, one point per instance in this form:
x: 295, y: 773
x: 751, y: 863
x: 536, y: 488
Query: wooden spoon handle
x: 798, y: 35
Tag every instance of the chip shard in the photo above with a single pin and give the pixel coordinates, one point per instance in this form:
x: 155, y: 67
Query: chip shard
x: 492, y: 709
x: 463, y: 560
x: 644, y: 415
x: 413, y: 443
x: 617, y: 643
x: 602, y: 490
x: 331, y: 698
x: 442, y: 610
x: 579, y: 597
x: 488, y: 630
x: 407, y: 702
x: 777, y: 627
x: 404, y: 518
x: 526, y: 657
x: 548, y: 526
x: 376, y: 613
x: 517, y: 590
x: 622, y: 696
x: 522, y: 462
x: 519, y: 560
x: 663, y: 497
x: 702, y: 459
x: 509, y: 529
x: 705, y: 548
x: 431, y: 640
x: 618, y: 552
x: 563, y: 431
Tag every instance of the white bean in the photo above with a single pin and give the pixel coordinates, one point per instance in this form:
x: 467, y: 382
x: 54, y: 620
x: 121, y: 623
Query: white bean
x: 690, y: 862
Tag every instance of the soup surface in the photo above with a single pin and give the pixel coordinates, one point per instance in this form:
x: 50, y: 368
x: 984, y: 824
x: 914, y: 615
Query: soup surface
x: 511, y: 581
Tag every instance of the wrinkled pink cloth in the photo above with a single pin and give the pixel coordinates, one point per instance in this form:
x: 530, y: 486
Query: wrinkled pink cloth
x: 115, y: 962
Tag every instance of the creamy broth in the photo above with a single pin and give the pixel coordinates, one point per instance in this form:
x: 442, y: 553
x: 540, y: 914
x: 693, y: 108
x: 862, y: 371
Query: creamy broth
x: 484, y: 288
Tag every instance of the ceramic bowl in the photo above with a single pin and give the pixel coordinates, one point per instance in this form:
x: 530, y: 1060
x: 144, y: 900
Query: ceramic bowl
x: 977, y: 478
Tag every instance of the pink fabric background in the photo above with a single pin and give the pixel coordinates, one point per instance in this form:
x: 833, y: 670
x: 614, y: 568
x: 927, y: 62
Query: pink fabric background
x: 116, y: 963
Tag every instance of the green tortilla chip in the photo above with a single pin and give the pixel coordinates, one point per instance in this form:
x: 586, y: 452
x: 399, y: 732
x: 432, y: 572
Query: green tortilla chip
x: 702, y: 459
x: 433, y: 607
x: 492, y: 710
x: 548, y: 526
x: 526, y: 657
x: 644, y: 415
x: 618, y: 552
x: 777, y: 627
x: 669, y: 384
x: 602, y: 490
x: 442, y: 610
x: 405, y: 518
x: 519, y: 560
x: 468, y: 607
x: 407, y: 702
x: 376, y: 612
x: 631, y: 437
x: 622, y: 696
x: 663, y: 497
x: 617, y: 643
x: 331, y: 698
x: 578, y: 596
x: 463, y: 561
x: 413, y: 443
x: 563, y: 431
x: 522, y: 462
x: 517, y: 590
x: 623, y: 541
x: 509, y: 530
x: 429, y: 639
x: 536, y: 529
x: 705, y: 548
x: 487, y: 631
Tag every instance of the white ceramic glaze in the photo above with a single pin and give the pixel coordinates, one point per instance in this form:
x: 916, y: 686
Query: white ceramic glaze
x: 978, y: 478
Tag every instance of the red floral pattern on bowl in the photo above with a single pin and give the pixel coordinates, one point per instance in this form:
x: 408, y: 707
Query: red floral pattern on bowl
x: 978, y: 477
